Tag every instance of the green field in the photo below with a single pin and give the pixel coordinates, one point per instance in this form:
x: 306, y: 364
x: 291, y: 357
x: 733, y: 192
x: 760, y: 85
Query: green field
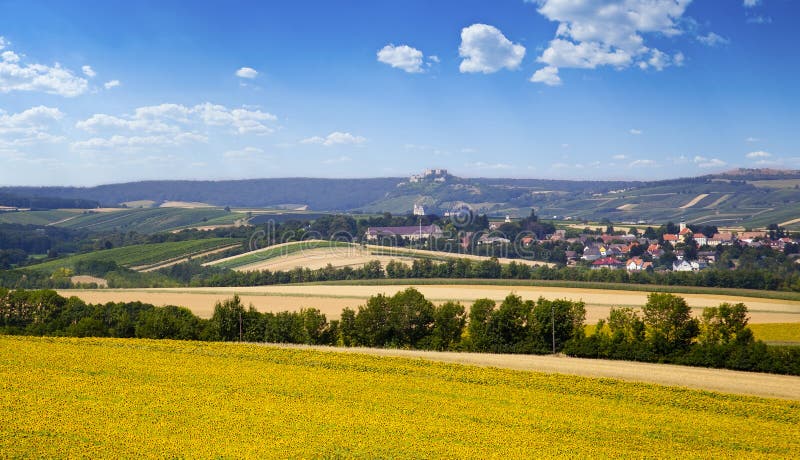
x: 36, y: 217
x: 111, y: 398
x: 138, y: 255
x: 151, y: 220
x: 278, y: 251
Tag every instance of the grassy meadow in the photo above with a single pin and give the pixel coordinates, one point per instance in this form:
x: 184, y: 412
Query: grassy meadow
x: 112, y: 397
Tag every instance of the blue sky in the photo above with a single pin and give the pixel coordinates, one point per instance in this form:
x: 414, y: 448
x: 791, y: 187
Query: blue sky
x: 599, y: 89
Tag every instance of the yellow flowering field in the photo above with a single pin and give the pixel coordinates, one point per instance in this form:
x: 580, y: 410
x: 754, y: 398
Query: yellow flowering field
x: 93, y: 398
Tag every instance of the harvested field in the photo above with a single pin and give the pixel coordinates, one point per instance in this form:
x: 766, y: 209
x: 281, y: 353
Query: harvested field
x: 331, y: 299
x: 321, y: 257
x: 318, y: 253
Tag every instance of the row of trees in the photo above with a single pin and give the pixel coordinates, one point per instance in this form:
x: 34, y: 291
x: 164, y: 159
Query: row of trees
x: 665, y: 331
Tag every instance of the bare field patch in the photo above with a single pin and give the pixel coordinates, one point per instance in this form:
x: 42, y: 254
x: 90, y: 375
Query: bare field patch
x: 338, y: 257
x: 331, y: 299
x: 694, y: 201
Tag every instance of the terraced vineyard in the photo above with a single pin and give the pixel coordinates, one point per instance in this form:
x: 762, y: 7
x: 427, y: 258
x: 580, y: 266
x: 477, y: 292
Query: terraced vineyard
x: 151, y: 220
x: 37, y: 217
x: 111, y: 397
x: 141, y: 255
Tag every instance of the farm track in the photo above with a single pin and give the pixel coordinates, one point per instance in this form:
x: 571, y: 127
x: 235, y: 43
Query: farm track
x: 719, y: 380
x: 694, y: 201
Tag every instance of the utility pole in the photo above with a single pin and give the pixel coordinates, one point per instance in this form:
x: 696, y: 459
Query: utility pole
x: 553, y: 315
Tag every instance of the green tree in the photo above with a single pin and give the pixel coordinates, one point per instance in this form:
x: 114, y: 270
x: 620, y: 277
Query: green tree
x: 724, y: 324
x: 671, y: 327
x: 449, y: 320
x: 479, y: 315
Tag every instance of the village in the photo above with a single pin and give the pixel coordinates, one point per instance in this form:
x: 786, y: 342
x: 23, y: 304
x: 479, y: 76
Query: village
x: 683, y: 251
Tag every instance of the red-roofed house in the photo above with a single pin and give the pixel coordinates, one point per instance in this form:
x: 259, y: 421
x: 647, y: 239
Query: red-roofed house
x: 607, y: 262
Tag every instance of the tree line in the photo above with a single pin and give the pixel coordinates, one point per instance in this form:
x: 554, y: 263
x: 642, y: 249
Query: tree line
x: 664, y: 332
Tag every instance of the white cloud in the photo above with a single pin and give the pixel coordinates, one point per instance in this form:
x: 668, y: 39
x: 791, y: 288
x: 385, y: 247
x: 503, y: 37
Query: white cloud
x: 335, y: 138
x: 704, y: 162
x: 31, y: 126
x: 88, y: 71
x: 169, y: 125
x: 620, y: 157
x: 246, y: 152
x: 434, y: 58
x: 55, y: 79
x: 642, y: 163
x: 593, y: 33
x: 137, y: 142
x: 111, y: 84
x: 752, y: 139
x: 635, y: 132
x: 751, y: 3
x: 3, y: 42
x: 247, y: 72
x: 713, y: 39
x: 758, y: 155
x: 9, y: 56
x: 485, y: 49
x: 547, y: 75
x: 402, y: 57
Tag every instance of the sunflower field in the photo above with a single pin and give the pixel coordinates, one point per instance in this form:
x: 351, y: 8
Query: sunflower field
x: 132, y: 398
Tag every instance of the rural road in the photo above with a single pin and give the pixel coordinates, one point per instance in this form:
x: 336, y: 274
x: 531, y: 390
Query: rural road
x: 718, y: 380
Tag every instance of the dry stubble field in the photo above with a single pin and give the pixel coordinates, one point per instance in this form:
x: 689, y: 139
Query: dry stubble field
x: 331, y: 299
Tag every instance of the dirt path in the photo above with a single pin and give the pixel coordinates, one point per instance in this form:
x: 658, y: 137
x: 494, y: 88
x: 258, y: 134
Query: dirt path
x: 789, y: 222
x: 719, y: 380
x: 694, y: 201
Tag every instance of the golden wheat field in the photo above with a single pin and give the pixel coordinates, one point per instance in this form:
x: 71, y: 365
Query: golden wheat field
x: 162, y: 399
x: 331, y: 299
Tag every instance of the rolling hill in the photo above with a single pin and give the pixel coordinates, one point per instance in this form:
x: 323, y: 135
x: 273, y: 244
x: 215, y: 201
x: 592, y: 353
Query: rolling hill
x: 744, y: 198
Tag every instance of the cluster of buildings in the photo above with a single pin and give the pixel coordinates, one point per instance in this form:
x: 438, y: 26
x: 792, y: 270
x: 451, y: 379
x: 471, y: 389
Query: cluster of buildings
x: 613, y: 251
x: 436, y: 175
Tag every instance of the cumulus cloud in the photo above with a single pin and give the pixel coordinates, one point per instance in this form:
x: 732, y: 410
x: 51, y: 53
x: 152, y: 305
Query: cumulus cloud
x: 88, y: 71
x: 247, y: 72
x: 751, y: 3
x: 111, y: 84
x: 18, y: 76
x: 619, y: 157
x: 759, y: 155
x: 635, y: 132
x: 594, y: 33
x: 713, y: 39
x: 335, y: 138
x: 703, y: 162
x: 485, y: 49
x: 30, y: 126
x: 403, y: 57
x: 642, y: 163
x: 169, y: 125
x: 547, y: 75
x: 752, y: 139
